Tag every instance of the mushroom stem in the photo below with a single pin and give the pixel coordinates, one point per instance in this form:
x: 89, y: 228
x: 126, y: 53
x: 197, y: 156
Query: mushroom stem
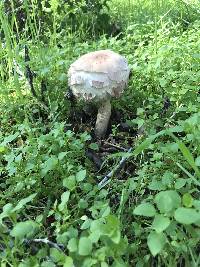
x: 103, y: 118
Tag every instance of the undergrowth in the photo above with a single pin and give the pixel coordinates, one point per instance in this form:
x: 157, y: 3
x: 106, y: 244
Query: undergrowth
x: 53, y: 213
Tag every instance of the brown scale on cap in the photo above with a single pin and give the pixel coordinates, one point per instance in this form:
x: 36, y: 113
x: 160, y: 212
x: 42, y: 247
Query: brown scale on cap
x: 97, y: 84
x: 99, y: 76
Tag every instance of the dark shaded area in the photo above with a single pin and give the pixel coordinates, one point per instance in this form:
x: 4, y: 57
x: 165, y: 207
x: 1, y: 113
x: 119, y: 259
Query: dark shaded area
x: 29, y: 73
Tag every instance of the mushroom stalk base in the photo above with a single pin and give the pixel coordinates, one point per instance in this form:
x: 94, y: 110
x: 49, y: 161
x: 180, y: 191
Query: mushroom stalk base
x: 103, y: 118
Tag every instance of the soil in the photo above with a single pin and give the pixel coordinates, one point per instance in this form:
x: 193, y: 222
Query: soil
x: 115, y: 141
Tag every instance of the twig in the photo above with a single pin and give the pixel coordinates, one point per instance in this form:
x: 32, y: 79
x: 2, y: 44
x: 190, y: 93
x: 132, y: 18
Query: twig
x: 109, y: 150
x: 46, y: 210
x: 43, y: 89
x: 29, y: 73
x: 166, y: 106
x: 47, y: 242
x: 106, y: 179
x: 116, y: 146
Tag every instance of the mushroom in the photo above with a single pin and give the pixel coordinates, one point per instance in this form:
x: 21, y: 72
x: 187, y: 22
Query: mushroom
x: 98, y: 76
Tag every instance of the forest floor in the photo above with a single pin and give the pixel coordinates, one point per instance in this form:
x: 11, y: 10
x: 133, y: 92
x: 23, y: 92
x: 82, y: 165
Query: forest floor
x: 130, y: 199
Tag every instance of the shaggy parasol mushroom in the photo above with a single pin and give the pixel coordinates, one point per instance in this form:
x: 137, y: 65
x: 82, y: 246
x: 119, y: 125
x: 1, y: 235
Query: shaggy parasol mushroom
x: 98, y: 76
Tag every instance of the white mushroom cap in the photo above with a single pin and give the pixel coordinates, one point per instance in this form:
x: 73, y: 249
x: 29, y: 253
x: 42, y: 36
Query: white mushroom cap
x: 98, y: 75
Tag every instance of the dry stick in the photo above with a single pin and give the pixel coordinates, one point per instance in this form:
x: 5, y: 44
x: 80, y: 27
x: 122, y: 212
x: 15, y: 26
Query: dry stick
x: 43, y: 89
x: 116, y: 146
x: 47, y: 242
x: 29, y: 73
x: 174, y: 114
x: 106, y: 179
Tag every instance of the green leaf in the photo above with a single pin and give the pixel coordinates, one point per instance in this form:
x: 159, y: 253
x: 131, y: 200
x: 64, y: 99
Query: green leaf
x: 167, y: 178
x: 94, y: 146
x: 24, y: 201
x: 84, y: 246
x: 62, y: 238
x: 145, y: 209
x: 94, y: 236
x: 86, y: 224
x: 162, y: 82
x: 160, y: 223
x: 96, y: 225
x: 156, y: 242
x: 10, y: 138
x: 70, y: 182
x: 49, y: 165
x: 113, y: 222
x: 83, y: 204
x: 44, y: 264
x: 187, y: 200
x: 29, y: 166
x: 72, y: 245
x: 89, y: 262
x: 197, y: 161
x: 64, y: 200
x: 146, y: 143
x: 109, y: 226
x: 119, y: 263
x: 45, y: 70
x: 2, y: 149
x: 80, y: 176
x: 61, y: 155
x: 187, y: 155
x: 180, y: 183
x: 156, y: 185
x: 168, y: 200
x: 138, y: 121
x: 7, y: 210
x: 196, y: 182
x: 72, y: 232
x: 186, y: 216
x: 196, y: 204
x: 57, y: 255
x: 62, y: 77
x: 116, y: 236
x: 24, y: 229
x: 68, y: 262
x: 105, y: 212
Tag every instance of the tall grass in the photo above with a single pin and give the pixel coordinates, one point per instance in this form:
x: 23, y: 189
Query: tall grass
x: 123, y: 12
x: 142, y: 11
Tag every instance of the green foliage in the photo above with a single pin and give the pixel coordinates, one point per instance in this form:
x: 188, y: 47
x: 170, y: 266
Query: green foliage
x: 55, y: 17
x: 156, y: 242
x: 52, y: 212
x: 145, y: 209
x: 24, y: 229
x: 42, y: 156
x: 160, y: 223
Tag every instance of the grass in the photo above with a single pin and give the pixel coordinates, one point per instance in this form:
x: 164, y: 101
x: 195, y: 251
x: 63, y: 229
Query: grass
x: 52, y: 210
